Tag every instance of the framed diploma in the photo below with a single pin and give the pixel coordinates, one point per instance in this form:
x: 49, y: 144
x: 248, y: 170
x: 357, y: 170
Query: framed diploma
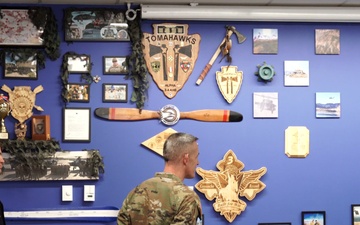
x: 76, y: 125
x: 40, y: 127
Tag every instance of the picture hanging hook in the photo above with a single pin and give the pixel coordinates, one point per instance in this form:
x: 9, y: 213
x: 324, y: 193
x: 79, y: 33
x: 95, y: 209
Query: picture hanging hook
x: 130, y: 13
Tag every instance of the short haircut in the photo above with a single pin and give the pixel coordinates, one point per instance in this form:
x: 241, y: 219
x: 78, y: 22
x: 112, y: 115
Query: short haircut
x: 176, y: 145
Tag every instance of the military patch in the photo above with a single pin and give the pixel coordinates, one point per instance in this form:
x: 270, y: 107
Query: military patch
x: 170, y: 54
x: 229, y: 81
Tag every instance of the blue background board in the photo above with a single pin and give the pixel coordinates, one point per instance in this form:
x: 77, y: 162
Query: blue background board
x: 326, y: 180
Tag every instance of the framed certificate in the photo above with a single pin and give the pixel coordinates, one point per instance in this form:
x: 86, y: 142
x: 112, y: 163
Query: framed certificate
x: 76, y: 125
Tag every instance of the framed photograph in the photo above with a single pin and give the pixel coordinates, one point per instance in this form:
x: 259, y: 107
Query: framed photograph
x: 327, y: 41
x: 78, y: 64
x: 20, y: 31
x: 297, y: 73
x: 328, y: 105
x: 78, y: 92
x: 115, y: 92
x: 274, y: 223
x: 265, y: 105
x: 313, y: 218
x: 76, y: 125
x: 355, y: 211
x: 40, y: 127
x: 95, y: 25
x: 115, y: 65
x: 20, y: 66
x: 265, y: 41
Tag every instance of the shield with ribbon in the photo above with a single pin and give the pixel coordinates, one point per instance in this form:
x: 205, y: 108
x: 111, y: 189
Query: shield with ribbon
x: 170, y: 54
x: 229, y: 81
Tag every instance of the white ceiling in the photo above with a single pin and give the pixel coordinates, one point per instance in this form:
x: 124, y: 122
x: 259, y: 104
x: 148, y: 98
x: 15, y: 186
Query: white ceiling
x: 200, y: 2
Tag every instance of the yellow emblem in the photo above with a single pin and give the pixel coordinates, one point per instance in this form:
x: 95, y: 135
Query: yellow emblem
x: 228, y: 184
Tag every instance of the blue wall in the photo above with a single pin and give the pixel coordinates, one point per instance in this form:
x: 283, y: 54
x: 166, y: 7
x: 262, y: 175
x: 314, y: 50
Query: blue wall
x: 326, y: 180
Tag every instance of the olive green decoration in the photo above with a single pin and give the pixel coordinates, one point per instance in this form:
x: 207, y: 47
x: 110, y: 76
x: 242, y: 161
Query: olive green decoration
x: 44, y: 18
x: 95, y: 162
x: 65, y: 74
x: 265, y: 72
x: 137, y: 65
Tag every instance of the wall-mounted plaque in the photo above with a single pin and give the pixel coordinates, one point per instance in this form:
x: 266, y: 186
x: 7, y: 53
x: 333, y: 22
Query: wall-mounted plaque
x: 40, y: 127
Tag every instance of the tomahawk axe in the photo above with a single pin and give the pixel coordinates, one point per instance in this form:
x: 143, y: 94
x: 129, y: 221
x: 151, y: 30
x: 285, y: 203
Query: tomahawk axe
x: 169, y: 114
x: 230, y: 30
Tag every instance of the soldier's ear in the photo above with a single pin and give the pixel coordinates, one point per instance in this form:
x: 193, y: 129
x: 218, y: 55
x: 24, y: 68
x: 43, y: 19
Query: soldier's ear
x: 186, y: 158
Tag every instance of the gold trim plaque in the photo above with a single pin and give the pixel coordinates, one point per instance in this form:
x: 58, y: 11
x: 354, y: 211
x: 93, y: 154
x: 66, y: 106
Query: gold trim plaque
x: 297, y: 141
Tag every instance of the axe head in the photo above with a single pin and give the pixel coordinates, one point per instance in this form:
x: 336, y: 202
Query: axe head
x: 241, y: 38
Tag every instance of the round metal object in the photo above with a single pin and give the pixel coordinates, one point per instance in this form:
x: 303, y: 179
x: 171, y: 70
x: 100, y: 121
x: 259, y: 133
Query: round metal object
x: 266, y: 72
x: 130, y: 14
x: 169, y: 115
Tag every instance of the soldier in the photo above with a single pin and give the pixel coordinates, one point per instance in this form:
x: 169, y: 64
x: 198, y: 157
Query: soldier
x: 165, y: 199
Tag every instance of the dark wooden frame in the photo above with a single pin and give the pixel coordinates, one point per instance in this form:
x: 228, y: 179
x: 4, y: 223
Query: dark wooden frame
x: 95, y: 24
x: 18, y: 33
x: 115, y: 86
x: 44, y: 122
x: 20, y: 70
x: 84, y: 61
x: 305, y: 213
x: 355, y: 213
x: 72, y: 98
x: 121, y: 68
x: 72, y: 116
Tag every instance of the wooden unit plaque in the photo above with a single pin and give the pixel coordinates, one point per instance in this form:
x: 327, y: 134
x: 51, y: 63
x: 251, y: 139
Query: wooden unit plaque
x: 40, y: 127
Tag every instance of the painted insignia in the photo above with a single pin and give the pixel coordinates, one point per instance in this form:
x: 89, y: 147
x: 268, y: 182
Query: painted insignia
x: 228, y: 184
x: 229, y: 81
x: 170, y: 54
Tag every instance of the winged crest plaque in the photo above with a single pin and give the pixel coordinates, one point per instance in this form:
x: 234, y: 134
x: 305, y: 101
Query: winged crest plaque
x: 230, y: 182
x: 170, y: 54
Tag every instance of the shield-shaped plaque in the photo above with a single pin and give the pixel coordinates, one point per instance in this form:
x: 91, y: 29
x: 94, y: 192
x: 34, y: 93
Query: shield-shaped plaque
x: 229, y: 81
x: 170, y: 54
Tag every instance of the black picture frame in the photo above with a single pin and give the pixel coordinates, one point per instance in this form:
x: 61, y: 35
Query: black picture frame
x: 76, y: 124
x: 20, y: 66
x: 317, y: 217
x: 21, y: 32
x: 115, y: 65
x: 355, y: 214
x: 95, y: 24
x: 78, y: 92
x: 79, y: 64
x: 115, y: 92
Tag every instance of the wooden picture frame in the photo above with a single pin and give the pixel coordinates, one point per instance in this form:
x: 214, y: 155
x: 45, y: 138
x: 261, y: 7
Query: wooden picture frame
x: 95, y: 24
x: 313, y: 217
x: 115, y: 65
x: 78, y: 92
x: 114, y: 92
x: 40, y: 127
x: 76, y: 125
x: 78, y: 64
x: 20, y: 66
x: 20, y: 32
x: 355, y: 214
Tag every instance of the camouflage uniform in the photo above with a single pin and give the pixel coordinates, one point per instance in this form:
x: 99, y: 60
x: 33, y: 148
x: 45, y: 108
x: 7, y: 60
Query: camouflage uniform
x: 163, y: 199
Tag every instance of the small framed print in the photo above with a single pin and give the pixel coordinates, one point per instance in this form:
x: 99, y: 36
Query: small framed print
x: 265, y: 105
x: 20, y: 66
x: 265, y: 41
x: 78, y: 92
x: 40, y: 127
x: 78, y: 64
x: 327, y: 41
x: 328, y: 105
x: 313, y: 218
x: 115, y: 92
x: 76, y: 125
x: 355, y: 211
x: 115, y: 65
x: 274, y: 223
x: 297, y: 73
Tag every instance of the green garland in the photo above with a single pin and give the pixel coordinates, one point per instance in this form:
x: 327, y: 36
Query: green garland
x: 137, y: 65
x: 65, y: 74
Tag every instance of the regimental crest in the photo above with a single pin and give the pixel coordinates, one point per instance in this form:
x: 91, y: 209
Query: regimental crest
x: 227, y: 184
x: 229, y: 81
x: 170, y: 54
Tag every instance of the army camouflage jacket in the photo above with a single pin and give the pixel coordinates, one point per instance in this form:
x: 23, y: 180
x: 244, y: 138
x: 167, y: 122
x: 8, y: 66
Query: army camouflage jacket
x: 163, y: 199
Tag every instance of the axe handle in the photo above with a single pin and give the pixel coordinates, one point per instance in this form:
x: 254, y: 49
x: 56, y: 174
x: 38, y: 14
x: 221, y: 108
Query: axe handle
x: 212, y: 60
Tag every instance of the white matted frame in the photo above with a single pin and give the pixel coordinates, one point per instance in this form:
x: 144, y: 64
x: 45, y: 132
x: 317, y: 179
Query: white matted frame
x: 76, y: 125
x: 265, y: 105
x: 296, y: 73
